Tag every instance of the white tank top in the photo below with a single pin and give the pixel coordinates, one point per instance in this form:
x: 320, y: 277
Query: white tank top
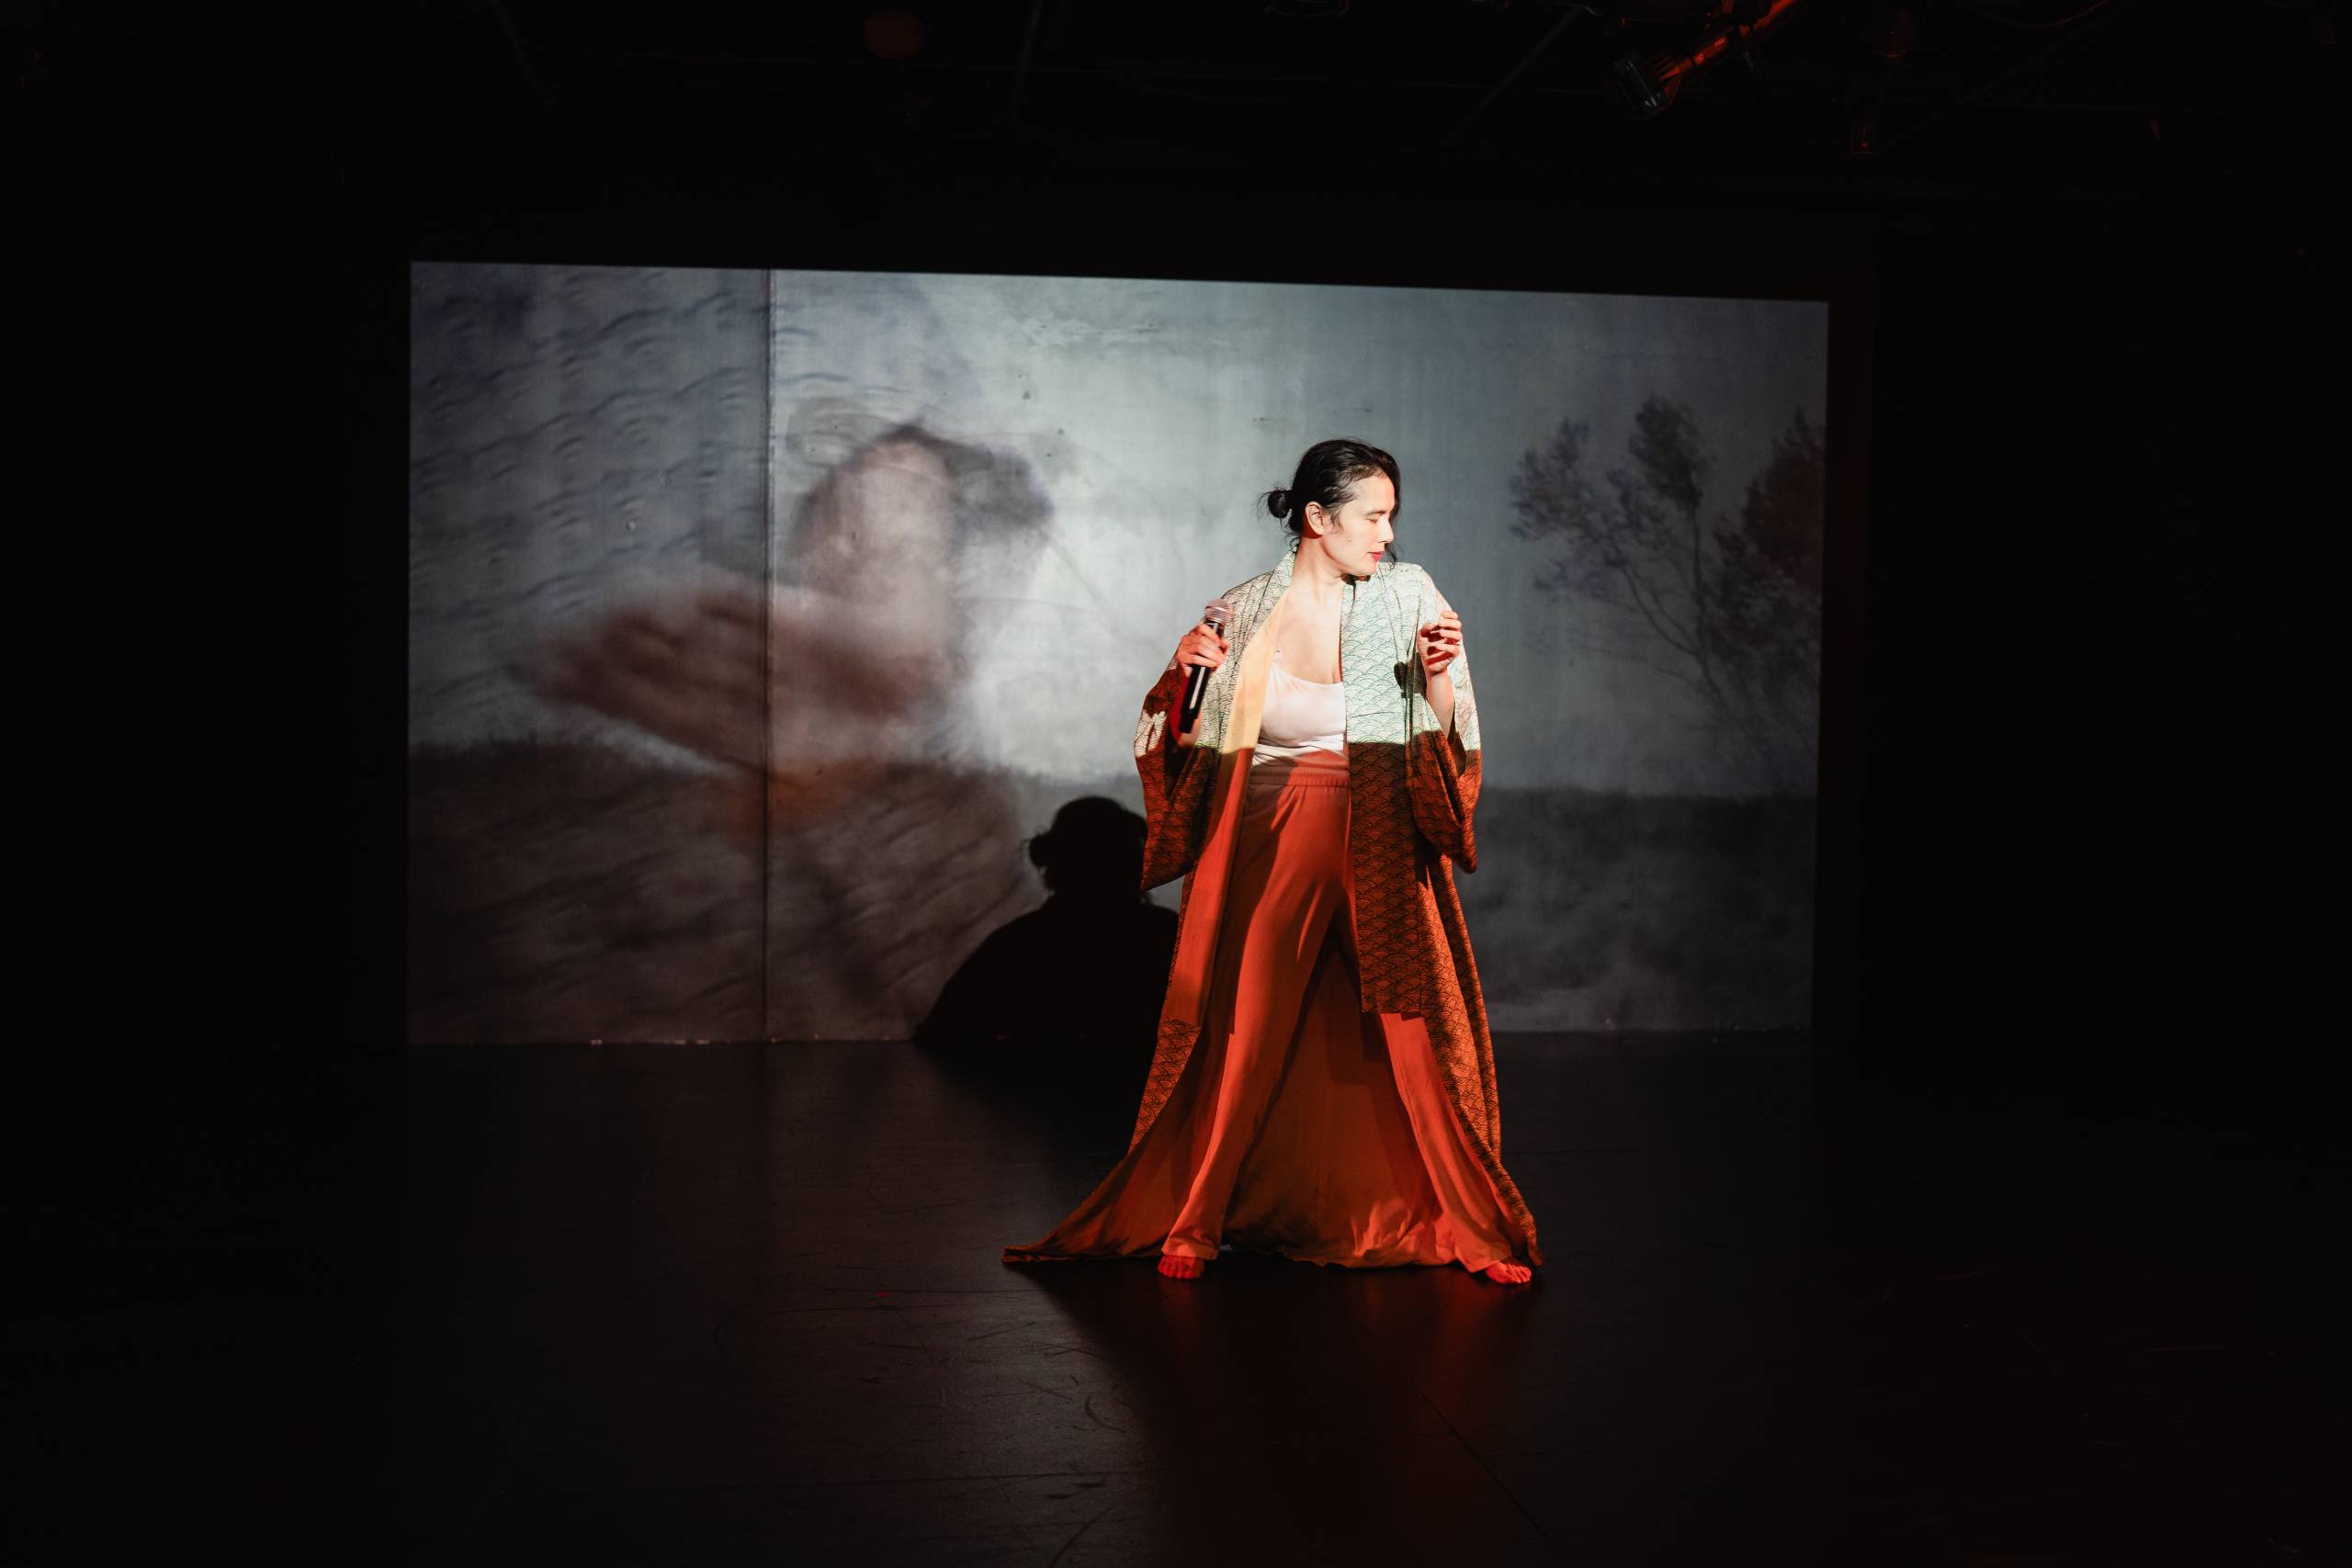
x: 1301, y: 717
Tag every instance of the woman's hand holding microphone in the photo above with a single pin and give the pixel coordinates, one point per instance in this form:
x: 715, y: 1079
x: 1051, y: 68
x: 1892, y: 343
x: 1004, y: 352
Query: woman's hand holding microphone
x: 1203, y: 648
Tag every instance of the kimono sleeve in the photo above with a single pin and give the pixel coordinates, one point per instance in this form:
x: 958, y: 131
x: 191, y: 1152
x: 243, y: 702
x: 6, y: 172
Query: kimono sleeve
x: 1175, y: 781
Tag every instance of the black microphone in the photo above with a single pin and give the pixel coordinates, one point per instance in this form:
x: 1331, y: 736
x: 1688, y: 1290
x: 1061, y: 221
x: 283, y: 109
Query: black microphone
x: 1215, y: 617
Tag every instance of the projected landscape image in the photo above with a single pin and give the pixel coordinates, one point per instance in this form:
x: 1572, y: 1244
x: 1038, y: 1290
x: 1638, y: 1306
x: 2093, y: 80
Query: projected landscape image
x: 760, y: 621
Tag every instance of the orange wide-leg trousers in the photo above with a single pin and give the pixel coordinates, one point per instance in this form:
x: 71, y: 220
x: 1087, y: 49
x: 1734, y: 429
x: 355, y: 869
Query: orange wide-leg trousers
x: 1303, y: 1125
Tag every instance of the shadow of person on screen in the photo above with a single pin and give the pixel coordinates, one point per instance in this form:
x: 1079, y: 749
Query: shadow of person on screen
x: 1073, y: 987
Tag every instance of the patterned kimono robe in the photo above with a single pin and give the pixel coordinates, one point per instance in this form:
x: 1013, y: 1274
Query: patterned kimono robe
x: 1413, y: 788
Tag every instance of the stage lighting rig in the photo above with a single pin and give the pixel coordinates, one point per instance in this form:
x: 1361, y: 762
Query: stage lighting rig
x: 1646, y: 84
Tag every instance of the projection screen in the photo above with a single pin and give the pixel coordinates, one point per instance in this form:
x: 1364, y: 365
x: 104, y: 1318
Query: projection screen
x: 758, y: 620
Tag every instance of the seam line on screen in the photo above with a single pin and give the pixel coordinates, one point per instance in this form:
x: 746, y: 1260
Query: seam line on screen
x: 767, y: 647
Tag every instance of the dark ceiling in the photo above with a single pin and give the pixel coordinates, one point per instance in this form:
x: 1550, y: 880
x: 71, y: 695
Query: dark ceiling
x: 1828, y: 95
x: 451, y: 107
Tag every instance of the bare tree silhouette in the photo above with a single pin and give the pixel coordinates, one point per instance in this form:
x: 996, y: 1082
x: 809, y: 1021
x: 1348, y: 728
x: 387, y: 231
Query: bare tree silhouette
x: 1732, y: 611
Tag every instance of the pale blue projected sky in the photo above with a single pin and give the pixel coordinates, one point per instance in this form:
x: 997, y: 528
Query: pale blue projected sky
x: 583, y: 436
x: 1156, y: 412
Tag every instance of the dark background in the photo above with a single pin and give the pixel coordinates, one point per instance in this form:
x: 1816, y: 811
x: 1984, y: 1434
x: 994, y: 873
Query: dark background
x: 2085, y: 326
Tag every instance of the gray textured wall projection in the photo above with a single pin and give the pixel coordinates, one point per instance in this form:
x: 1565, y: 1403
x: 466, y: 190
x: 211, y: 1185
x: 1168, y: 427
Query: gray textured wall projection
x: 759, y: 620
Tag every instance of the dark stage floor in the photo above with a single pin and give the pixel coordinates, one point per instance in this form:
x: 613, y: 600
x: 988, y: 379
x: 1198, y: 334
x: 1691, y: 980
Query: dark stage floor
x: 743, y: 1304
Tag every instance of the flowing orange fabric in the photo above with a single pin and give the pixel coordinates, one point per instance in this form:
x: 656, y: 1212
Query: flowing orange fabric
x: 1302, y: 1126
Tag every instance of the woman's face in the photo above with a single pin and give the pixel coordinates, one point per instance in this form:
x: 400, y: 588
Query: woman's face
x: 1356, y: 536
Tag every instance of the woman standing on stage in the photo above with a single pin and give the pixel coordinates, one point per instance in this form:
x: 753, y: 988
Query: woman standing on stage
x: 1323, y: 1086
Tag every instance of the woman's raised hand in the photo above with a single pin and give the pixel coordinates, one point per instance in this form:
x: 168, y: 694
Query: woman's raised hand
x: 1203, y: 648
x: 1441, y: 643
x: 1203, y: 645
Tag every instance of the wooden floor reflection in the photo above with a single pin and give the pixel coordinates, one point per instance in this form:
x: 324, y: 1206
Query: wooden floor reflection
x: 743, y: 1303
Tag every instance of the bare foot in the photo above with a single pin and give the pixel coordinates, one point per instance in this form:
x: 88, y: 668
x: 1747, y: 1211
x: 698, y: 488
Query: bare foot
x: 1176, y: 1266
x: 1508, y: 1273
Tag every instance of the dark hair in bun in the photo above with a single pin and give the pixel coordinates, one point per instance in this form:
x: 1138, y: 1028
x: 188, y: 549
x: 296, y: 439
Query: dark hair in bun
x: 1327, y: 475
